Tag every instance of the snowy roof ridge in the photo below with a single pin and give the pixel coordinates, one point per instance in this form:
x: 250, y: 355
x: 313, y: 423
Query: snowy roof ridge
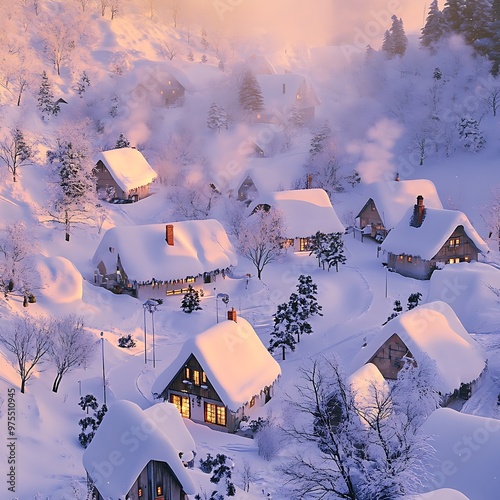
x: 393, y: 198
x: 426, y: 240
x: 116, y: 439
x: 199, y: 246
x: 128, y: 167
x: 433, y: 329
x: 305, y: 211
x: 232, y: 355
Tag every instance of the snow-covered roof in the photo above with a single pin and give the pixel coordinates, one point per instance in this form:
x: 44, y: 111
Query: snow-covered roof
x: 393, y: 198
x: 426, y: 241
x: 232, y: 355
x: 260, y: 65
x: 128, y: 167
x: 298, y: 91
x: 199, y: 246
x: 115, y: 442
x: 305, y: 211
x: 435, y: 330
x: 168, y: 418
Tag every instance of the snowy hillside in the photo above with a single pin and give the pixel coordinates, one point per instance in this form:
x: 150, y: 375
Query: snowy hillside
x: 172, y: 80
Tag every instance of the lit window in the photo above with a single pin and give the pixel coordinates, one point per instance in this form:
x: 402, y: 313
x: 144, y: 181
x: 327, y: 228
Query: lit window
x: 215, y: 414
x: 400, y: 257
x: 187, y: 373
x: 466, y: 258
x: 204, y: 377
x: 252, y: 402
x: 196, y: 377
x: 189, y: 280
x: 454, y: 242
x: 182, y: 404
x: 409, y: 258
x: 139, y: 492
x: 221, y: 415
x: 159, y: 491
x: 304, y: 244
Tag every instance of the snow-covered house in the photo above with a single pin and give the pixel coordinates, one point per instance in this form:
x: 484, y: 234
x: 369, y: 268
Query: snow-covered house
x: 220, y: 375
x: 123, y: 173
x: 132, y: 457
x: 427, y: 238
x: 388, y: 201
x: 285, y: 93
x: 158, y: 260
x: 432, y: 330
x: 304, y: 212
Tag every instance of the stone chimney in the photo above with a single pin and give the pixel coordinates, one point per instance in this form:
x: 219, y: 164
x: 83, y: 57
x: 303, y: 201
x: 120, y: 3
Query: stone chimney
x: 169, y: 234
x: 231, y: 315
x: 284, y: 88
x: 418, y: 212
x: 309, y: 179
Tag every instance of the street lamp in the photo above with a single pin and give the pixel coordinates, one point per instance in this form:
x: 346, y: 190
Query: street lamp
x: 103, y: 369
x: 151, y: 306
x: 225, y: 299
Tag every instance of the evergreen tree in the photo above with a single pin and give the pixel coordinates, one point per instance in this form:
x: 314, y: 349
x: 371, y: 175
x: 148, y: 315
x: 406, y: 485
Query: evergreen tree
x: 122, y: 142
x: 217, y: 118
x: 470, y: 135
x: 190, y: 56
x: 250, y: 93
x: 413, y: 300
x: 453, y: 13
x: 295, y: 321
x: 16, y: 152
x: 388, y: 44
x: 46, y: 102
x: 319, y: 139
x: 204, y: 41
x: 191, y: 301
x: 204, y: 58
x: 281, y: 336
x: 82, y: 84
x: 333, y: 254
x: 306, y: 293
x: 435, y: 27
x: 475, y: 25
x: 398, y: 309
x: 398, y: 37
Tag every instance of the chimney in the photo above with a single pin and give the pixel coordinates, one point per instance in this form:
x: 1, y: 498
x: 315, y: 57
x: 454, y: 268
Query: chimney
x: 284, y: 88
x: 418, y: 212
x: 397, y: 177
x: 309, y: 180
x: 169, y: 236
x: 231, y: 315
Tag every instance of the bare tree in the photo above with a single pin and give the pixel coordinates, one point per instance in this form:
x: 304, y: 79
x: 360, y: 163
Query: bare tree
x: 115, y: 8
x: 168, y: 50
x: 16, y: 152
x: 71, y: 346
x: 60, y: 40
x: 84, y: 4
x: 194, y: 199
x: 104, y: 6
x: 28, y: 340
x: 261, y: 239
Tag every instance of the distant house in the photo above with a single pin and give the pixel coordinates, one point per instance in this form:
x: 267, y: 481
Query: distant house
x: 427, y: 238
x: 284, y: 92
x: 388, y: 201
x: 132, y: 457
x: 220, y: 375
x: 159, y: 260
x: 433, y: 330
x: 123, y: 173
x: 304, y: 212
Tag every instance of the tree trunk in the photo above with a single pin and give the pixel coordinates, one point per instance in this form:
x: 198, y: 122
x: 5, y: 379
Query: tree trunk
x: 66, y: 222
x: 283, y: 347
x: 57, y: 381
x: 23, y: 384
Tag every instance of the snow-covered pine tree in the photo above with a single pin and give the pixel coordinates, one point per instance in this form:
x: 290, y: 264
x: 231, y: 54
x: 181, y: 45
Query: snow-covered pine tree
x: 250, y: 94
x: 453, y: 13
x: 204, y: 40
x: 435, y: 27
x: 217, y: 118
x: 46, y: 103
x: 281, y: 336
x: 191, y: 301
x: 190, y: 56
x: 204, y: 58
x: 16, y: 152
x: 296, y: 322
x: 122, y: 142
x: 317, y: 246
x: 398, y: 37
x: 476, y: 25
x: 333, y: 255
x: 318, y: 140
x: 470, y: 135
x: 398, y: 309
x: 306, y: 293
x: 413, y: 300
x: 83, y: 84
x: 388, y: 44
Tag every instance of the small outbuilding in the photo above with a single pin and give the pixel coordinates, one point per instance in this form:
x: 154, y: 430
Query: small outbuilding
x: 131, y: 457
x: 123, y: 174
x: 426, y: 239
x: 220, y: 375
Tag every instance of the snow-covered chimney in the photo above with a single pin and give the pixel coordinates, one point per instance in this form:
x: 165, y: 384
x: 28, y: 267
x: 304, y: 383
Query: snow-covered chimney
x: 284, y: 88
x: 397, y: 179
x: 418, y: 212
x: 231, y: 315
x: 169, y: 234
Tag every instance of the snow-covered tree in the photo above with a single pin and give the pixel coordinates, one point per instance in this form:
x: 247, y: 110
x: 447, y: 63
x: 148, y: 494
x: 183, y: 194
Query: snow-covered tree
x: 475, y: 26
x: 28, y: 341
x: 17, y: 247
x: 190, y: 56
x: 204, y: 39
x: 306, y: 296
x: 453, y: 12
x: 397, y: 310
x: 46, y: 103
x: 16, y: 151
x: 470, y: 134
x: 281, y: 336
x: 435, y: 27
x: 191, y: 301
x: 261, y: 239
x: 83, y: 84
x: 399, y: 41
x: 122, y: 142
x: 413, y: 300
x: 60, y: 39
x: 217, y: 118
x: 71, y: 346
x: 194, y: 199
x: 76, y: 199
x: 334, y: 252
x: 250, y: 94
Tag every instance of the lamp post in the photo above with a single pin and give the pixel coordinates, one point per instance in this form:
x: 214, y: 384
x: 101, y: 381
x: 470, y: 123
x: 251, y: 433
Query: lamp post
x: 225, y: 299
x: 151, y: 306
x: 103, y: 369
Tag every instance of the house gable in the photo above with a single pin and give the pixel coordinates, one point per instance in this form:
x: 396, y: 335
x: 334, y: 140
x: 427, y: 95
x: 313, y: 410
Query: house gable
x: 389, y: 357
x: 458, y: 247
x: 369, y: 215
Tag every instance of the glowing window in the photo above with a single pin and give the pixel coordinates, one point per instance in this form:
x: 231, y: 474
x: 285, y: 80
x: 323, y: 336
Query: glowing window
x: 215, y: 414
x: 182, y: 404
x: 196, y: 377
